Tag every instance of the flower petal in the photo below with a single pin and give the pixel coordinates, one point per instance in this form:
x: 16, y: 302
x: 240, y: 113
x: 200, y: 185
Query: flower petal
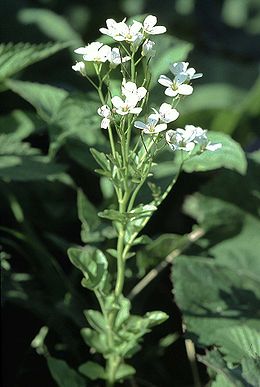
x: 117, y: 102
x: 165, y: 81
x: 140, y: 125
x: 157, y: 30
x: 159, y: 128
x: 185, y: 89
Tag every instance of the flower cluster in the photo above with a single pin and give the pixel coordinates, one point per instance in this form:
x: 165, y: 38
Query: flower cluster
x: 186, y: 139
x: 131, y: 100
x: 134, y: 33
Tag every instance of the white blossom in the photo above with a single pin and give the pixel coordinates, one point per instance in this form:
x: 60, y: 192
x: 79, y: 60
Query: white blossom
x: 121, y: 31
x: 176, y: 86
x: 182, y: 68
x: 151, y: 126
x: 186, y: 139
x: 128, y: 106
x: 150, y: 28
x: 147, y: 48
x: 166, y: 113
x: 94, y: 52
x: 130, y: 89
x: 105, y: 112
x: 115, y: 57
x: 79, y: 66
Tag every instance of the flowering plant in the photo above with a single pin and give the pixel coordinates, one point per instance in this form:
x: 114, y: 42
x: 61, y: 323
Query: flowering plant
x: 129, y: 165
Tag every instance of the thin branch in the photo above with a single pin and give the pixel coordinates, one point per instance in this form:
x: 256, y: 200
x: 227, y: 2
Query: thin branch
x: 192, y: 237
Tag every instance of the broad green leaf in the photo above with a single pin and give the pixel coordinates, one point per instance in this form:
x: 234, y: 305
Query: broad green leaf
x: 228, y: 377
x: 222, y: 287
x: 20, y: 162
x: 251, y: 369
x: 92, y: 370
x: 63, y: 375
x: 123, y: 313
x: 230, y: 156
x: 15, y: 57
x: 51, y: 24
x: 93, y: 264
x: 238, y: 342
x: 46, y: 99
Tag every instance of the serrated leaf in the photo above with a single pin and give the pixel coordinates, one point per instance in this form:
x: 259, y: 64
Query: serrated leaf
x: 46, y: 99
x: 229, y: 156
x: 238, y: 342
x: 63, y: 375
x: 15, y: 57
x: 92, y: 370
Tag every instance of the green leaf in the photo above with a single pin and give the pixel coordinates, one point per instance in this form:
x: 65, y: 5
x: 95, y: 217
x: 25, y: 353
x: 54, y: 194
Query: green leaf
x: 230, y: 156
x: 20, y: 162
x: 63, y: 375
x: 96, y: 320
x: 101, y: 159
x: 221, y: 286
x: 251, y: 370
x: 228, y: 377
x: 155, y: 318
x: 51, y: 24
x: 15, y: 57
x: 20, y: 123
x: 113, y: 215
x: 93, y: 264
x: 238, y: 342
x: 124, y: 371
x: 96, y: 340
x: 88, y: 216
x: 92, y: 370
x: 45, y: 99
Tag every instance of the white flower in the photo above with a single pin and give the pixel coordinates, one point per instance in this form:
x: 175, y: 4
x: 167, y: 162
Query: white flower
x: 112, y: 29
x: 180, y: 139
x: 94, y: 52
x: 127, y: 106
x: 149, y: 26
x: 115, y: 58
x: 166, y: 113
x: 121, y: 31
x: 79, y: 66
x: 182, y: 68
x: 187, y: 138
x: 147, y: 48
x: 176, y: 86
x: 130, y: 89
x: 105, y: 112
x: 150, y: 127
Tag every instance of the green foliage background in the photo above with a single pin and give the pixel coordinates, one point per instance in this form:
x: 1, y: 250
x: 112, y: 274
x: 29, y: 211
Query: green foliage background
x: 50, y: 194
